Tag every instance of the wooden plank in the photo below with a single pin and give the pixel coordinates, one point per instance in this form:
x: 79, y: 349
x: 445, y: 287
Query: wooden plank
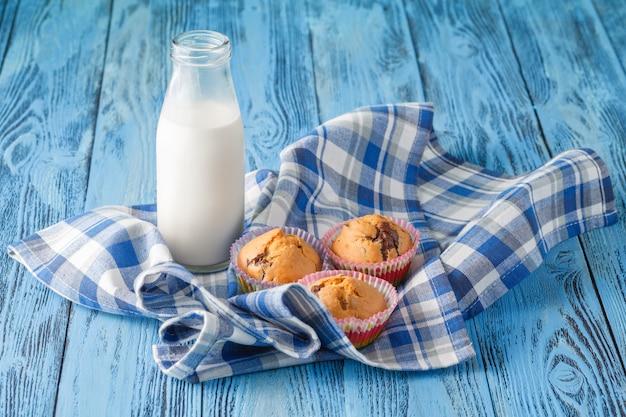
x: 612, y: 263
x: 456, y: 391
x: 33, y: 320
x: 135, y: 78
x: 49, y: 85
x: 582, y: 105
x: 8, y: 10
x: 578, y: 369
x: 470, y: 69
x: 124, y: 153
x: 272, y: 70
x: 364, y: 55
x: 483, y: 114
x: 611, y: 14
x: 310, y: 390
x: 273, y: 75
x: 108, y: 368
x: 559, y: 359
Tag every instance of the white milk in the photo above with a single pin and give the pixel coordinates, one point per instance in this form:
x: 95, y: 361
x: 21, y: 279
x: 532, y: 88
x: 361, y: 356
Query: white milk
x: 200, y: 180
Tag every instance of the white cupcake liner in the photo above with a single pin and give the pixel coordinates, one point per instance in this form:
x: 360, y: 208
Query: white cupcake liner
x: 249, y: 284
x: 361, y: 332
x: 391, y: 270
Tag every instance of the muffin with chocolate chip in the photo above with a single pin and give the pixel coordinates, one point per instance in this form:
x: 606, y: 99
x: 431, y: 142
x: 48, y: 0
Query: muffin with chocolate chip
x: 360, y: 304
x: 273, y: 256
x: 345, y: 297
x: 373, y: 244
x: 371, y: 238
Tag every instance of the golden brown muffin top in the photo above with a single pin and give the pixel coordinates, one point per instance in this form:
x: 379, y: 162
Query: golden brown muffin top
x: 346, y: 297
x: 278, y: 257
x: 371, y: 238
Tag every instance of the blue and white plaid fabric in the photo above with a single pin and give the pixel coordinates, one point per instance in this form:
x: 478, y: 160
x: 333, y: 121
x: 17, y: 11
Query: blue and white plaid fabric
x: 482, y: 233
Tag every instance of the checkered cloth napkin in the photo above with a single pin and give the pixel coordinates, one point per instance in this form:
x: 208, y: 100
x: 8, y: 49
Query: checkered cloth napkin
x: 482, y: 233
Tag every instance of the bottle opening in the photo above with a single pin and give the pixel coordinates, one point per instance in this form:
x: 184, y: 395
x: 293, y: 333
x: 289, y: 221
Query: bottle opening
x: 201, y: 48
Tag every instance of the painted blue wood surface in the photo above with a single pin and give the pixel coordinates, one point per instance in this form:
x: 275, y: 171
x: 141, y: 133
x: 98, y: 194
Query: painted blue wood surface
x: 514, y: 83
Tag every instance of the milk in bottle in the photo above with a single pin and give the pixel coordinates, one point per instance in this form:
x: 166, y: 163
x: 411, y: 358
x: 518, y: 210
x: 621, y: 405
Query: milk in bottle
x: 200, y: 154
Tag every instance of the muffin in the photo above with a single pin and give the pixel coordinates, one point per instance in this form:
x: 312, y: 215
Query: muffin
x: 371, y: 238
x: 360, y: 304
x: 373, y: 244
x: 345, y: 297
x: 273, y: 256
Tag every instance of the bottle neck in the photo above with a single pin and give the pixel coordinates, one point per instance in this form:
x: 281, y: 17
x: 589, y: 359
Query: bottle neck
x: 201, y: 68
x: 201, y: 48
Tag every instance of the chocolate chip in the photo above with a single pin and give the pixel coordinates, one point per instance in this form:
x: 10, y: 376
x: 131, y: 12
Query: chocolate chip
x: 388, y: 239
x: 315, y: 289
x: 258, y: 260
x: 262, y: 262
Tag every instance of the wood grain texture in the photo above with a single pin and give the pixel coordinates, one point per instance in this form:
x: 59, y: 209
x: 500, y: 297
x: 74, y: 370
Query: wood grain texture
x: 137, y: 69
x: 513, y: 83
x: 108, y: 367
x: 370, y: 59
x: 457, y: 391
x: 31, y: 348
x: 483, y: 114
x: 8, y: 11
x: 560, y: 359
x: 134, y: 82
x: 309, y: 390
x: 611, y: 16
x: 490, y: 114
x: 108, y: 370
x: 273, y: 74
x: 582, y: 105
x: 363, y: 55
x: 49, y: 86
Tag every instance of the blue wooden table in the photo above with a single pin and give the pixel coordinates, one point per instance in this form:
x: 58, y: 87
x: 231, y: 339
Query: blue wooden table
x: 513, y: 83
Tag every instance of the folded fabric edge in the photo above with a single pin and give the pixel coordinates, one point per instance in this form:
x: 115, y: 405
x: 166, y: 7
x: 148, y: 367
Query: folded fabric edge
x: 23, y: 254
x: 476, y: 297
x: 210, y: 368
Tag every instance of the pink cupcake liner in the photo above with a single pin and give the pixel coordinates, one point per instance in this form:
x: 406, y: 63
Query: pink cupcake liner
x: 361, y: 332
x: 249, y: 284
x: 392, y: 270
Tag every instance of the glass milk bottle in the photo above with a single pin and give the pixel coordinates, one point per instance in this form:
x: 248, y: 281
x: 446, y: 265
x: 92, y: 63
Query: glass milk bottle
x: 200, y: 154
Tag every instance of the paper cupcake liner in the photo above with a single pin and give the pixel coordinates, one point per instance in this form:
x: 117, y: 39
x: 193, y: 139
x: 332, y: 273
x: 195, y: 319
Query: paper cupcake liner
x: 391, y: 270
x: 249, y: 284
x: 362, y: 332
